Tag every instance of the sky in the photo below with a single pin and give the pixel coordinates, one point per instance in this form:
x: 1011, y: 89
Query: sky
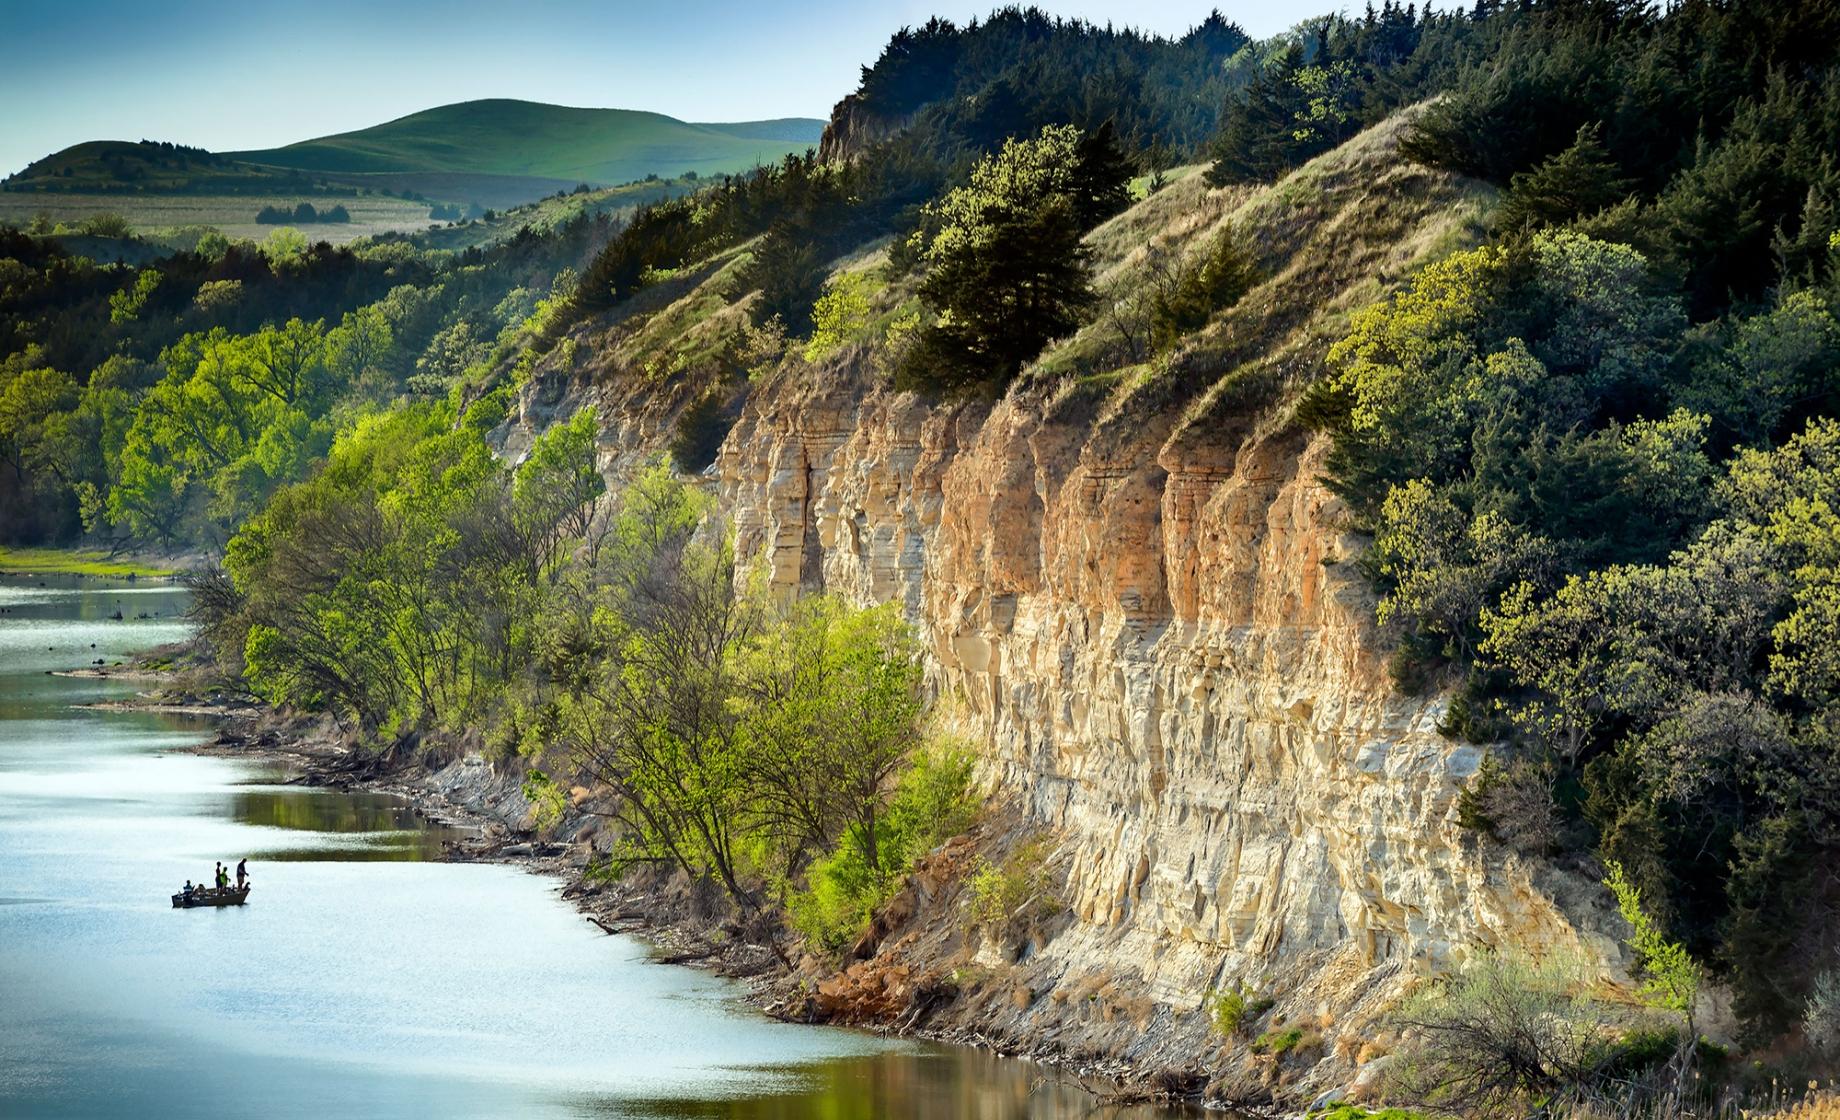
x: 235, y: 74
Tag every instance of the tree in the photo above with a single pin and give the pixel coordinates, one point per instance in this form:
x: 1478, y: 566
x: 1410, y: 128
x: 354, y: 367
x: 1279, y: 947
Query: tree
x: 658, y: 727
x: 1576, y: 183
x: 555, y: 491
x: 357, y: 348
x: 832, y: 706
x: 1006, y: 270
x: 1670, y: 976
x: 1257, y: 138
x: 286, y: 362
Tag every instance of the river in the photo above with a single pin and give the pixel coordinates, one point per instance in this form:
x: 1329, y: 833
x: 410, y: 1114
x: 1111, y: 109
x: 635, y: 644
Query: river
x: 362, y: 978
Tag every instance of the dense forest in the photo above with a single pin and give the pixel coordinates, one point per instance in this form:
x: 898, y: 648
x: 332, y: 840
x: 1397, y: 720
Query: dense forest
x: 1596, y: 457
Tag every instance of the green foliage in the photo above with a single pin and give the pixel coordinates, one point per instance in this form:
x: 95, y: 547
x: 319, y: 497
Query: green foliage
x: 931, y: 804
x: 1340, y: 1111
x: 1278, y: 1041
x: 1230, y: 1009
x: 125, y: 306
x: 841, y: 315
x: 1578, y: 182
x: 1005, y: 267
x: 1016, y: 893
x: 1225, y: 272
x: 547, y: 798
x: 1670, y: 976
x: 1716, y: 119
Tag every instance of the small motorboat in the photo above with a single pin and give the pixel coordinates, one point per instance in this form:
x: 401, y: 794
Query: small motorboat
x: 210, y: 896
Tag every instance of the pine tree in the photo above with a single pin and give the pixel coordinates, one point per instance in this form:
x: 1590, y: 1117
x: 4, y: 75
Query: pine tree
x: 1577, y: 183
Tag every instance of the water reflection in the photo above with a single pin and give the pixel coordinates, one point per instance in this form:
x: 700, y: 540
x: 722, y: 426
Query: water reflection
x: 936, y: 1082
x: 376, y: 826
x: 403, y: 988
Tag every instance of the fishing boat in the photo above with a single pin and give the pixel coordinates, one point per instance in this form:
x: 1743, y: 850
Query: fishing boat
x: 209, y: 896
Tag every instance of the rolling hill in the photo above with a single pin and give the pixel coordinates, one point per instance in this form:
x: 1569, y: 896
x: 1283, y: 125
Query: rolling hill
x: 531, y: 140
x: 492, y: 153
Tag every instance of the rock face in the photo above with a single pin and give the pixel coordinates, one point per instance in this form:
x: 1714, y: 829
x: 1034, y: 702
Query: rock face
x: 1170, y: 662
x: 1140, y: 603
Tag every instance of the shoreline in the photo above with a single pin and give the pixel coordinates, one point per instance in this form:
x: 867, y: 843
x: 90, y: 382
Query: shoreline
x: 654, y: 908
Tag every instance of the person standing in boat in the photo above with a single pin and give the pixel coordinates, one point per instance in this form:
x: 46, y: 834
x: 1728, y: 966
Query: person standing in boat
x: 220, y: 876
x: 242, y: 872
x: 188, y: 890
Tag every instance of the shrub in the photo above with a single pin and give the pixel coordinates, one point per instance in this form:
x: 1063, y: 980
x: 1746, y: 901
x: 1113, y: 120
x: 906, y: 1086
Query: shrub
x: 1278, y: 1041
x: 1015, y: 894
x: 1508, y: 1031
x: 931, y: 803
x: 1223, y: 275
x: 1232, y: 1008
x: 1335, y: 1110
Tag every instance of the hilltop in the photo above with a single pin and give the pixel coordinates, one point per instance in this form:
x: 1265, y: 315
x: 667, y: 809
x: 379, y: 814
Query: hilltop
x: 533, y: 140
x: 491, y: 153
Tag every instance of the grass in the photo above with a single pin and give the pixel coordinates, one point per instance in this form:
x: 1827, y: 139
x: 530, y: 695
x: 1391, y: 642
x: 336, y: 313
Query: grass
x: 550, y: 212
x: 81, y: 562
x: 525, y: 138
x: 157, y: 215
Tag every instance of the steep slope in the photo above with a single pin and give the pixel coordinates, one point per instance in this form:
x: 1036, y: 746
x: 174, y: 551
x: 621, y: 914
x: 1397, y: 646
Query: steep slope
x: 526, y: 138
x: 1140, y: 603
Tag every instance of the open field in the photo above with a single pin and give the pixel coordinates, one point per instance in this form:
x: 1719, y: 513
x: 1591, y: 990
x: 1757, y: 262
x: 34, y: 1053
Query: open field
x: 85, y: 562
x: 234, y: 215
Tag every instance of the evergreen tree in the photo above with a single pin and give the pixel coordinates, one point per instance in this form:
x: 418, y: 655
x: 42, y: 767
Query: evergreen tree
x: 1578, y: 182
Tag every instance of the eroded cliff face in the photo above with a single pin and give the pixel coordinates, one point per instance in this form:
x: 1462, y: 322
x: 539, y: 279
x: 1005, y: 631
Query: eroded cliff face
x: 1169, y: 662
x: 1140, y: 604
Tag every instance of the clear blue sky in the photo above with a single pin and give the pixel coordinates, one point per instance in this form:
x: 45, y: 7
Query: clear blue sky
x: 230, y: 74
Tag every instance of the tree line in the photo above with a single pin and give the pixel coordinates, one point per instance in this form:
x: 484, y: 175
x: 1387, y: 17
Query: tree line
x: 302, y: 213
x: 419, y: 583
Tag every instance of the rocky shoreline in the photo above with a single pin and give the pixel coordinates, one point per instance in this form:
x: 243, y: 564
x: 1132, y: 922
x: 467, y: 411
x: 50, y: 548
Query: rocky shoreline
x: 684, y: 925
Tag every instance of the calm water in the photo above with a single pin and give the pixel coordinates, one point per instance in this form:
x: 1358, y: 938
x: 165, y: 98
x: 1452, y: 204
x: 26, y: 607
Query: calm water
x: 361, y: 979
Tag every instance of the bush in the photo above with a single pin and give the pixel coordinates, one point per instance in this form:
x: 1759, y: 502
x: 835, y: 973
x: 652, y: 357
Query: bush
x: 1015, y: 894
x: 1338, y: 1111
x: 1232, y: 1008
x: 1278, y: 1041
x: 931, y: 804
x: 1223, y: 275
x: 1507, y: 1032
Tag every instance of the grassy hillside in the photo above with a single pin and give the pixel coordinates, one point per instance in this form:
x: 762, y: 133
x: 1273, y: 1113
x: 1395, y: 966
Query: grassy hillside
x: 126, y: 167
x: 524, y: 138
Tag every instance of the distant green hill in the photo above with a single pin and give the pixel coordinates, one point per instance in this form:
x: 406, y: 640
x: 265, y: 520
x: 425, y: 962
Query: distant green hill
x: 528, y: 139
x: 150, y: 167
x: 495, y: 153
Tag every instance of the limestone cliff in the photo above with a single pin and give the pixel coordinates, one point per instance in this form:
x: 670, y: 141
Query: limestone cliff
x: 1140, y: 603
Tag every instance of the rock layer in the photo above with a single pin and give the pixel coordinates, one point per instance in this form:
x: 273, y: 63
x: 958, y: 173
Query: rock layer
x: 1140, y: 602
